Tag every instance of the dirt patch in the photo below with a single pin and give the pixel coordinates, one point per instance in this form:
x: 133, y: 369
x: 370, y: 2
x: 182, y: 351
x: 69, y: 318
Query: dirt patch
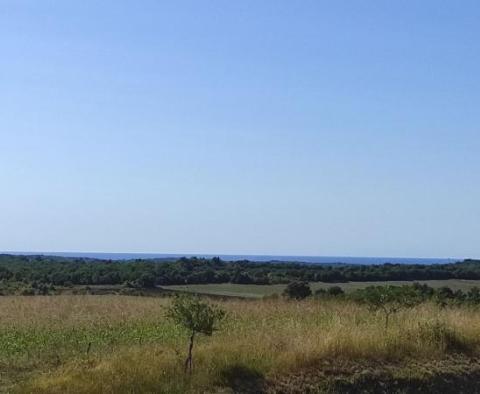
x: 453, y: 375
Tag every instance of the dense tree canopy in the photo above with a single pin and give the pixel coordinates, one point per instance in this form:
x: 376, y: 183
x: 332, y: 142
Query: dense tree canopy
x: 61, y: 271
x: 297, y: 290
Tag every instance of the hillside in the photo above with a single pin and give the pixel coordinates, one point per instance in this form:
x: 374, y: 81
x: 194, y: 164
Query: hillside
x: 92, y: 344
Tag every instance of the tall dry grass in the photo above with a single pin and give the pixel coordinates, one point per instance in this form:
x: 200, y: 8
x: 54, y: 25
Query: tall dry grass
x: 73, y: 310
x: 261, y: 338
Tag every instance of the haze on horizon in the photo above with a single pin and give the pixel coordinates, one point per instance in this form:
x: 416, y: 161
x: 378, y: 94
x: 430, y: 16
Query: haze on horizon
x: 274, y: 127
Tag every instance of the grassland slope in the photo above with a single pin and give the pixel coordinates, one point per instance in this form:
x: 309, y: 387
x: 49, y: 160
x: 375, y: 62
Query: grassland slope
x: 99, y: 344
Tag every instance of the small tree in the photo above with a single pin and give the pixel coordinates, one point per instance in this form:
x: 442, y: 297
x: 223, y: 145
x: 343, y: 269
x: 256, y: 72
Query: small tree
x: 297, y: 290
x: 388, y: 299
x: 197, y: 316
x: 335, y: 291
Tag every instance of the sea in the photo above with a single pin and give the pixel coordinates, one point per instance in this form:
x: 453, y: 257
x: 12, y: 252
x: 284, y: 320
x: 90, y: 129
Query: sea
x: 257, y: 258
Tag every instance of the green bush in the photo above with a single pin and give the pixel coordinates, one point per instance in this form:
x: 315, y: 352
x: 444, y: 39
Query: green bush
x: 297, y: 290
x: 335, y: 291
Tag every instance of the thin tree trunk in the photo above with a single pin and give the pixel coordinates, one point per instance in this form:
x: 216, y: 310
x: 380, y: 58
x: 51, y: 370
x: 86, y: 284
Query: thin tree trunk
x: 387, y: 315
x: 189, y: 360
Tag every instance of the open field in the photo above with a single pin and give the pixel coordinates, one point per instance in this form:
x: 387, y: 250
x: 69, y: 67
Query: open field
x: 258, y: 291
x: 121, y: 344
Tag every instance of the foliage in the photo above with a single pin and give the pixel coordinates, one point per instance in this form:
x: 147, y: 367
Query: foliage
x: 388, y: 299
x: 195, y: 315
x: 62, y: 271
x: 332, y: 291
x: 335, y: 291
x: 297, y: 290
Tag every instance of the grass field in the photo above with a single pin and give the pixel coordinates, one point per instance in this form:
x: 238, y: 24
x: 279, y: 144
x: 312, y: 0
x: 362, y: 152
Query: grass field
x: 258, y: 291
x: 121, y: 344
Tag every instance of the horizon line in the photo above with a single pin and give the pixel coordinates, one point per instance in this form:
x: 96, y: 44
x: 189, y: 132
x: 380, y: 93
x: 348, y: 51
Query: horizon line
x: 188, y: 254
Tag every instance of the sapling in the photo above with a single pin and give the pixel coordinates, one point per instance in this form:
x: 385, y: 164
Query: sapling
x: 388, y: 299
x: 197, y: 317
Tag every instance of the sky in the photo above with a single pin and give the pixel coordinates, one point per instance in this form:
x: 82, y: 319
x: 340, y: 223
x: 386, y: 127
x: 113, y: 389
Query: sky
x: 346, y: 128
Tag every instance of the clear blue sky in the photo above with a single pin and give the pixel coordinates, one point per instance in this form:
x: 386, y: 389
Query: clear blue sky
x: 264, y: 127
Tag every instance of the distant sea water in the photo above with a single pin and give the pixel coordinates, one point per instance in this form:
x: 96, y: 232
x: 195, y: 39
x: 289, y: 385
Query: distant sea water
x: 259, y: 258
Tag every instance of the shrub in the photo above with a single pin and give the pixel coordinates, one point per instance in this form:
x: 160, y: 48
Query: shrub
x: 297, y: 290
x: 145, y: 281
x: 473, y: 295
x: 335, y: 291
x: 27, y: 291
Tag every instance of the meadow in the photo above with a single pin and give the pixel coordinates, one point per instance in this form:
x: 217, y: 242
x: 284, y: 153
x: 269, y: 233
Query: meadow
x: 122, y: 344
x: 258, y: 291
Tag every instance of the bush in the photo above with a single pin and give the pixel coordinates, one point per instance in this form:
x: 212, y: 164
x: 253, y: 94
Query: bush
x: 297, y: 290
x: 473, y: 295
x: 335, y: 291
x: 27, y: 291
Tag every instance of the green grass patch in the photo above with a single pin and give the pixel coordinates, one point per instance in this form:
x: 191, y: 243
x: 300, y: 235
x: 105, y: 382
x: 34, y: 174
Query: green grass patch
x: 259, y: 291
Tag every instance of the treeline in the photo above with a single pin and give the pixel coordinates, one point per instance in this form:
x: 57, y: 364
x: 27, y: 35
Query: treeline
x: 405, y: 295
x: 63, y: 271
x: 388, y: 299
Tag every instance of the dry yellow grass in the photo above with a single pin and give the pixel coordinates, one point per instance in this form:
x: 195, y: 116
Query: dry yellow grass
x: 261, y: 338
x: 69, y: 310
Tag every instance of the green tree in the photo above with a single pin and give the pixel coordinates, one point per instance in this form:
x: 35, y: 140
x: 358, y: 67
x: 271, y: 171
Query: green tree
x: 197, y: 317
x: 146, y: 280
x: 297, y: 290
x: 388, y: 299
